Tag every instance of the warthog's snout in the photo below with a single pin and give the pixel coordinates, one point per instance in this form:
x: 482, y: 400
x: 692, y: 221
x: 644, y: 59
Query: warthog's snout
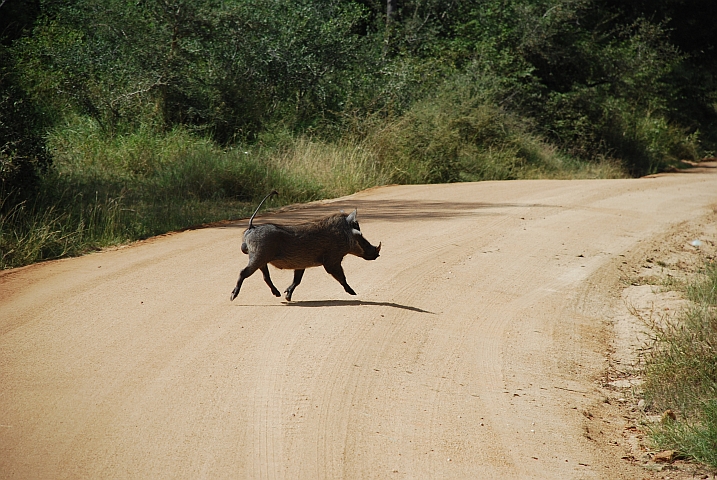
x: 374, y: 254
x: 324, y: 242
x: 369, y: 251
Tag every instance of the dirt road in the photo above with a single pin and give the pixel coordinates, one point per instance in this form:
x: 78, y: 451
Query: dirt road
x: 472, y: 350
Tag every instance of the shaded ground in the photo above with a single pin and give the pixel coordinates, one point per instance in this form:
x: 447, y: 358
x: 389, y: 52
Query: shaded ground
x: 477, y: 346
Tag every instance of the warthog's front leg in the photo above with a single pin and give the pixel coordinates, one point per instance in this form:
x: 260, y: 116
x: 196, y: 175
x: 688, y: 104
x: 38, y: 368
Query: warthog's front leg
x: 267, y: 279
x: 336, y: 271
x: 298, y: 274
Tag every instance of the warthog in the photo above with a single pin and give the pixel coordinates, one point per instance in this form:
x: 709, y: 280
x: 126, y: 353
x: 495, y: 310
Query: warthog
x: 324, y: 242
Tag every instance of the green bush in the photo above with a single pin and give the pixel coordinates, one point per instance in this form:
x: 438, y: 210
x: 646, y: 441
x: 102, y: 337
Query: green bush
x: 22, y: 147
x: 460, y: 135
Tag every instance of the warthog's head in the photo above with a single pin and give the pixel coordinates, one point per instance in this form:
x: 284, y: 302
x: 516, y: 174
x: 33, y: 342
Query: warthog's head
x: 360, y: 246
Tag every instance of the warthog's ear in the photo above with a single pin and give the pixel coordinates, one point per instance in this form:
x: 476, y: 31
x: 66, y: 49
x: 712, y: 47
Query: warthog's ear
x: 352, y: 217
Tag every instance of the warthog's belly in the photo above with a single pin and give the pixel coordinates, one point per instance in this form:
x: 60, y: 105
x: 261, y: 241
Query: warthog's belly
x: 294, y: 264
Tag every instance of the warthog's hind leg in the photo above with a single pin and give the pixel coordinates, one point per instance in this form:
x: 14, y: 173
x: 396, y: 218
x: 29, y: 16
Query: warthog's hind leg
x: 245, y: 273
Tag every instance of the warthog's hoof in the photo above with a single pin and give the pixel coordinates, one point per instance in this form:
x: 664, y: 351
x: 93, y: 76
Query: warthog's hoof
x: 235, y: 292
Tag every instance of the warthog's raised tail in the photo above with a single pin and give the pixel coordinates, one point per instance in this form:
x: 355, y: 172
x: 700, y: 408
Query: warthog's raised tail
x: 251, y: 220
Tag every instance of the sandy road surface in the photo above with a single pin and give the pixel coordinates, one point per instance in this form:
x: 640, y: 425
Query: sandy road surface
x: 474, y: 342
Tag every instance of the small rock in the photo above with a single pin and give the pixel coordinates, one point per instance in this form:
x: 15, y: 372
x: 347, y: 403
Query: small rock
x: 641, y: 404
x: 666, y: 456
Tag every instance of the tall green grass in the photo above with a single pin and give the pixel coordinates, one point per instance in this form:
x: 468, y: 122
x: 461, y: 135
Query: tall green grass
x: 109, y: 189
x: 681, y: 374
x: 29, y: 232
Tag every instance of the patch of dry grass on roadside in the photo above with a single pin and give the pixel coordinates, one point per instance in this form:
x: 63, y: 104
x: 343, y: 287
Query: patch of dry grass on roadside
x: 680, y: 373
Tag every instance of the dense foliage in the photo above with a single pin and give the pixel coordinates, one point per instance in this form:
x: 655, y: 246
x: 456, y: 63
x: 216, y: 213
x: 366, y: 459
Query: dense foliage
x: 595, y: 77
x: 427, y: 91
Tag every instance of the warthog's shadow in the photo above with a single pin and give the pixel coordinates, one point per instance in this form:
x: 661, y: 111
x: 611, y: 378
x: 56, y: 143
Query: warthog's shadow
x: 351, y: 303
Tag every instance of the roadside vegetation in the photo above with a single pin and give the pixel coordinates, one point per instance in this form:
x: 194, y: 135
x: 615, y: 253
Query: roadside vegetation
x: 681, y: 374
x: 121, y: 120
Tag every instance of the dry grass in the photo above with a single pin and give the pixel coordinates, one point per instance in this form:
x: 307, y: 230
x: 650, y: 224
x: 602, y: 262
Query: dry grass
x: 681, y: 373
